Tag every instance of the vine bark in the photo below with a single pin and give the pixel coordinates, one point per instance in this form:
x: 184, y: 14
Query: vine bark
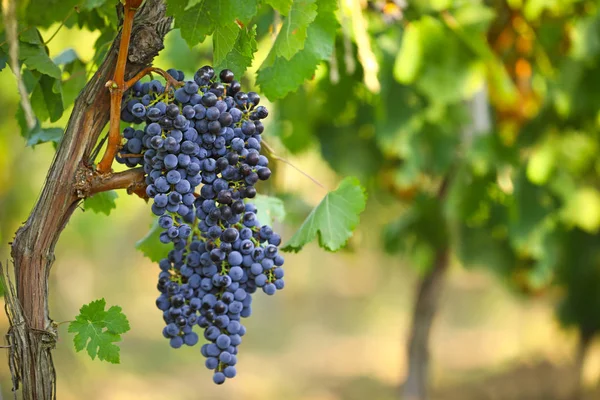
x: 33, y: 334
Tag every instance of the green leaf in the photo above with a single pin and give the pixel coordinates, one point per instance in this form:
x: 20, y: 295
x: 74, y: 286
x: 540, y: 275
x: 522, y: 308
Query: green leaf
x: 151, y: 245
x: 102, y: 202
x: 46, y: 99
x: 278, y: 76
x: 241, y: 55
x: 43, y: 14
x: 74, y: 83
x: 334, y: 219
x: 35, y: 58
x: 31, y: 36
x: 224, y: 39
x: 223, y: 12
x: 292, y: 35
x: 90, y: 4
x: 96, y: 330
x: 269, y: 208
x: 193, y: 23
x: 39, y: 135
x: 281, y: 6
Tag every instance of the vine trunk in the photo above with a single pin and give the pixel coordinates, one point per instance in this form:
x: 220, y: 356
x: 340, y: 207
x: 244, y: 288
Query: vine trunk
x: 33, y: 334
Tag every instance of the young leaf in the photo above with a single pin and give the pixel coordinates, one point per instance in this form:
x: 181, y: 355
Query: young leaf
x: 242, y: 54
x: 278, y: 76
x: 151, y: 245
x: 292, y: 35
x: 96, y: 330
x: 269, y: 208
x: 102, y: 202
x: 334, y: 219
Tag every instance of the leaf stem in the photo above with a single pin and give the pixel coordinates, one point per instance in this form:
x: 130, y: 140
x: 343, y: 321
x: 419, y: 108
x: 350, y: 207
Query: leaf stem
x: 283, y: 160
x: 60, y: 26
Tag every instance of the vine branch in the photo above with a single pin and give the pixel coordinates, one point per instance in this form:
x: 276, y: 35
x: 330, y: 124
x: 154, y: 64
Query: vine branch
x: 117, y: 87
x: 146, y: 71
x: 131, y: 179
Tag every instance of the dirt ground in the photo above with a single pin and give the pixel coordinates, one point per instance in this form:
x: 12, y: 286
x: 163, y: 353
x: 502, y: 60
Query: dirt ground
x: 537, y: 381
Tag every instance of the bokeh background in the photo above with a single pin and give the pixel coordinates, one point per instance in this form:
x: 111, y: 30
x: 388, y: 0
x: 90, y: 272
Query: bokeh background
x: 498, y: 98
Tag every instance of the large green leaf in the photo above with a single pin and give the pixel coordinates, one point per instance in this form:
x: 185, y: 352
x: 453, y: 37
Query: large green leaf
x: 278, y: 76
x: 281, y: 6
x: 202, y: 18
x: 44, y: 13
x: 225, y: 11
x: 224, y: 39
x: 36, y: 58
x: 292, y: 35
x: 334, y: 219
x: 97, y: 330
x: 193, y: 23
x: 240, y: 57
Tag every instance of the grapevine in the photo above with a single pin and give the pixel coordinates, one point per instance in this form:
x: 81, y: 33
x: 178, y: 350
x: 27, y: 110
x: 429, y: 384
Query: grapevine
x: 204, y: 133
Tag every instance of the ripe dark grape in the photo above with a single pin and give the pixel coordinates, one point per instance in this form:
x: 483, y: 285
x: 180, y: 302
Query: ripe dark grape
x: 199, y: 145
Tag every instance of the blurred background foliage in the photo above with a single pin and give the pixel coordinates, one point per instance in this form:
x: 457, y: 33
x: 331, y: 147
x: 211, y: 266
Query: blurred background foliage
x: 474, y: 126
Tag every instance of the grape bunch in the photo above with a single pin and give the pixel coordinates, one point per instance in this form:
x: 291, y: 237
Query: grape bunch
x: 199, y: 144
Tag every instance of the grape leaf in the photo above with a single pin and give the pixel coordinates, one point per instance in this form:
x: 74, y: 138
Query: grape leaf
x: 151, y: 245
x: 193, y: 22
x: 31, y: 36
x: 72, y: 64
x: 278, y: 76
x: 43, y: 14
x: 46, y: 99
x: 39, y: 135
x: 35, y: 57
x: 269, y: 208
x: 334, y: 219
x: 90, y: 4
x: 224, y: 39
x: 292, y: 35
x: 102, y: 202
x: 225, y: 11
x: 96, y: 330
x: 241, y: 55
x: 281, y: 6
